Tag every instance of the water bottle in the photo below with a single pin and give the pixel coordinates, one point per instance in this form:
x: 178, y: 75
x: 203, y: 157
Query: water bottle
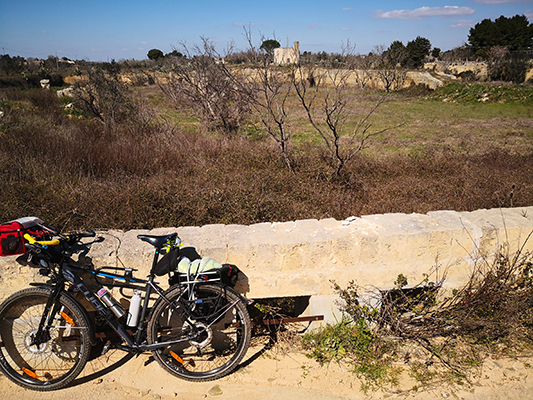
x: 134, y: 310
x: 111, y: 302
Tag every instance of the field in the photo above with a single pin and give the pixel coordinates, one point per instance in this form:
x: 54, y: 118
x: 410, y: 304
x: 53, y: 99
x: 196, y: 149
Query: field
x: 464, y: 147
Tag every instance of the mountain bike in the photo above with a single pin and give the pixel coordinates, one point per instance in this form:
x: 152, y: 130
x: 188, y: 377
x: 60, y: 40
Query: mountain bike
x: 198, y: 329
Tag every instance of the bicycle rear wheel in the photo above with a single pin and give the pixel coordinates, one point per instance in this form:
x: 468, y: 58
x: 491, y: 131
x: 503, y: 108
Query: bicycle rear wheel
x: 59, y: 358
x: 225, y: 329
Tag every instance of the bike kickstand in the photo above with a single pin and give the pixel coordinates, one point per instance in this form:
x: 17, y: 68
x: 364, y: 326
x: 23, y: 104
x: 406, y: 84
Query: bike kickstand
x: 106, y: 347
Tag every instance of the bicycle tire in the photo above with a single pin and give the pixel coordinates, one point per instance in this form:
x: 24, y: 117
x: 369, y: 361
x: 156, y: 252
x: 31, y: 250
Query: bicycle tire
x: 221, y: 312
x: 53, y: 364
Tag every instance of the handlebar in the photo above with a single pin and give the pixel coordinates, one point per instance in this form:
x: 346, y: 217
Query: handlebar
x: 52, y: 251
x: 69, y: 238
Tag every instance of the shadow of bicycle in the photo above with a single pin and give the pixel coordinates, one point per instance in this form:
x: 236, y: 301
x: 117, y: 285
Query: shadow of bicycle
x: 100, y: 364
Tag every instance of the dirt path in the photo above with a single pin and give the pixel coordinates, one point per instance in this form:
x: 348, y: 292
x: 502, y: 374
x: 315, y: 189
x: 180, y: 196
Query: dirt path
x: 268, y: 375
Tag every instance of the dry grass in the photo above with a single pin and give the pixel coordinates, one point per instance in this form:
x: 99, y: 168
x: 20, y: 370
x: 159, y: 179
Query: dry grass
x: 162, y: 169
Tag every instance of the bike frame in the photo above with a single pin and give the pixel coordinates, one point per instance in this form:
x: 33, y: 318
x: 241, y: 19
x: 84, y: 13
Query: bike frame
x: 68, y: 273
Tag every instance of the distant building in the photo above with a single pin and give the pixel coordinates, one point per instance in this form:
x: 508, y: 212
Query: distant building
x: 287, y: 55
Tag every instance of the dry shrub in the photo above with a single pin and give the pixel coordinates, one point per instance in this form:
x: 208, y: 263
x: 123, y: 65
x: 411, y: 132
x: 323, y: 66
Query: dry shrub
x: 494, y: 306
x: 146, y: 174
x: 489, y: 316
x: 444, y: 180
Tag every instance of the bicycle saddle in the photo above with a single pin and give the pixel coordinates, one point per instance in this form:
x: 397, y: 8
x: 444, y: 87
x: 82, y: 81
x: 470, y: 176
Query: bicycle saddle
x: 157, y: 241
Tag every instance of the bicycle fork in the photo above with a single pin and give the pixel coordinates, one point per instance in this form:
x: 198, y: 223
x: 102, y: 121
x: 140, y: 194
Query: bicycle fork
x: 42, y: 334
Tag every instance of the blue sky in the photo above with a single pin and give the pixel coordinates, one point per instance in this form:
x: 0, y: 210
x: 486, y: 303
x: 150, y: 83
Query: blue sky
x: 101, y: 30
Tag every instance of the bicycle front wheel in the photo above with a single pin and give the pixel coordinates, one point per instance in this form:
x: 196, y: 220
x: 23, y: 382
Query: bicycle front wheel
x: 52, y: 362
x: 222, y: 326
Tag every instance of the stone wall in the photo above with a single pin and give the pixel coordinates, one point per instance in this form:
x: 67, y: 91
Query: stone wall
x: 300, y: 258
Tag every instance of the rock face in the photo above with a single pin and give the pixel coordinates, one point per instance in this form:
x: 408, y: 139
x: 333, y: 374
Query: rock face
x: 371, y: 78
x: 425, y: 78
x: 479, y: 69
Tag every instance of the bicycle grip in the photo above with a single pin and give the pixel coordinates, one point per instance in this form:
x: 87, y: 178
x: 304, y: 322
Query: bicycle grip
x: 31, y: 240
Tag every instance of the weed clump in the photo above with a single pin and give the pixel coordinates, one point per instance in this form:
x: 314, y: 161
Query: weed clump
x: 353, y: 342
x: 435, y: 337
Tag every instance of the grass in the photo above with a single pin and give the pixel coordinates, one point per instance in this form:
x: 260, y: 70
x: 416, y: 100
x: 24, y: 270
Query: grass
x: 475, y: 128
x: 158, y: 166
x: 424, y: 122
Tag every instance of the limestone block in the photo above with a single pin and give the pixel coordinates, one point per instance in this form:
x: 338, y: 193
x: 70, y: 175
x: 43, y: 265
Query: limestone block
x: 212, y: 242
x: 190, y: 236
x: 318, y: 246
x: 239, y: 245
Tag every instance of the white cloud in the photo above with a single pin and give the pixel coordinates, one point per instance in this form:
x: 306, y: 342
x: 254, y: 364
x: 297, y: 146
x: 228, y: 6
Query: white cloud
x: 313, y: 26
x: 425, y: 12
x: 346, y: 29
x: 347, y: 9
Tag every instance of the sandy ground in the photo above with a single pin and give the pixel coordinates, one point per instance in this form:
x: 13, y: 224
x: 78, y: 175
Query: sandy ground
x: 270, y: 374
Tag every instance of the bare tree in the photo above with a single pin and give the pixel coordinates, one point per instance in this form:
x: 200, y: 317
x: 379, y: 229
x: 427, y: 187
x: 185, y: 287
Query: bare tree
x: 269, y: 88
x: 387, y: 63
x: 362, y: 68
x: 326, y: 107
x: 502, y: 65
x: 202, y: 80
x: 104, y: 96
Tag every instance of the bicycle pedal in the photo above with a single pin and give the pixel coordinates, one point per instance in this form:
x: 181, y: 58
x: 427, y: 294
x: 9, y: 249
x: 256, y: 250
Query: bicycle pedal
x: 106, y: 347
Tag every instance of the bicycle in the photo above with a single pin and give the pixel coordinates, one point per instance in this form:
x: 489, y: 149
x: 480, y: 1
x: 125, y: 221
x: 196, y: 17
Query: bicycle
x: 198, y: 329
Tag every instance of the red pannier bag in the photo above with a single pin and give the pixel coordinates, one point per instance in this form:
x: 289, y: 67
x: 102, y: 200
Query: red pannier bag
x: 12, y: 232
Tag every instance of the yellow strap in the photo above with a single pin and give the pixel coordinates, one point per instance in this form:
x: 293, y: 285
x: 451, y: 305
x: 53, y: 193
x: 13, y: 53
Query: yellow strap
x: 32, y: 240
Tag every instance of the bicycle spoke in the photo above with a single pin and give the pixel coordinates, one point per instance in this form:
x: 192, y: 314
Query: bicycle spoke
x: 49, y: 360
x: 222, y: 327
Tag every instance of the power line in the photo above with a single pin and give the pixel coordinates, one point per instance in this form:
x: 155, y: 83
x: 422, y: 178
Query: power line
x: 24, y: 52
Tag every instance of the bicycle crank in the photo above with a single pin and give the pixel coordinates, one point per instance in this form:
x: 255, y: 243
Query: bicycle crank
x: 204, y: 337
